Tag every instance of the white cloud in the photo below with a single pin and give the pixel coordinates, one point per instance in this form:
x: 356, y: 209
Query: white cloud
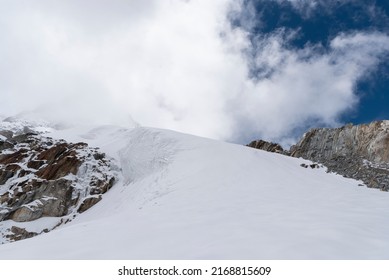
x: 172, y: 64
x: 307, y: 7
x: 310, y: 86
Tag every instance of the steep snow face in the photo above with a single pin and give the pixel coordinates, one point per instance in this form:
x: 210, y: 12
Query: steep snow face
x: 185, y: 197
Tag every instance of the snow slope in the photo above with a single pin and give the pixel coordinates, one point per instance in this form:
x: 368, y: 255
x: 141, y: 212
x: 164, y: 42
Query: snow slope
x: 185, y: 197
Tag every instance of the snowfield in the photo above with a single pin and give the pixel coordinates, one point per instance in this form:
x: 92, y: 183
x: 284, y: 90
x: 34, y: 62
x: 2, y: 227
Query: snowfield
x: 185, y: 197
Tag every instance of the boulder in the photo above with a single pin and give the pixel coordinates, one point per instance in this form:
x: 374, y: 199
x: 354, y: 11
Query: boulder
x: 5, y: 145
x: 20, y: 233
x: 27, y: 213
x: 101, y: 186
x: 88, y: 203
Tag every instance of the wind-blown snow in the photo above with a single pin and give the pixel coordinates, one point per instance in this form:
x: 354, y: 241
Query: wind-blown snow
x: 185, y: 197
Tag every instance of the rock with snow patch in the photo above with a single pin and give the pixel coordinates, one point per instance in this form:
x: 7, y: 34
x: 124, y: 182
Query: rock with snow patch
x: 18, y: 233
x: 88, y: 203
x: 44, y: 177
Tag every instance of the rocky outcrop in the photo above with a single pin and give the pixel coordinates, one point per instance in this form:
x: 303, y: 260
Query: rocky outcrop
x: 18, y: 233
x: 354, y: 151
x: 267, y: 146
x: 88, y: 203
x: 369, y: 141
x: 43, y: 177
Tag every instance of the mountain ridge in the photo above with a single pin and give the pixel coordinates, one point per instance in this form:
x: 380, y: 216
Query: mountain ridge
x: 360, y: 151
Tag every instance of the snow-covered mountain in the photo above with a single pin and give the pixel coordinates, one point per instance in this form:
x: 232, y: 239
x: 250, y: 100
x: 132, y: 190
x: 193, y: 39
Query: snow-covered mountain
x: 184, y: 197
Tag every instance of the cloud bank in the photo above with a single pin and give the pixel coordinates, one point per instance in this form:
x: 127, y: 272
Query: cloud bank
x: 174, y: 64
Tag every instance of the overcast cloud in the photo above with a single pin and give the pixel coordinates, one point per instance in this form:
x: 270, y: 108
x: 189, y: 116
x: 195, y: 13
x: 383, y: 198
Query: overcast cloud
x: 174, y: 64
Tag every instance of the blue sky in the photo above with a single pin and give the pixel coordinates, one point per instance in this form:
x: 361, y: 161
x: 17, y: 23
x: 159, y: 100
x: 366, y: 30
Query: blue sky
x: 317, y: 23
x: 224, y: 69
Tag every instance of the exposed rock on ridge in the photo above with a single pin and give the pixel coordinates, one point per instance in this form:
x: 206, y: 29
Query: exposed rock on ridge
x: 370, y: 141
x: 267, y: 146
x: 354, y: 151
x: 43, y: 177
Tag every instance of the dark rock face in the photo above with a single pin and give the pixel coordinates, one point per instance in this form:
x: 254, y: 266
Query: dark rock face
x: 360, y: 152
x: 267, y: 146
x: 354, y: 151
x: 5, y: 145
x: 43, y: 177
x: 38, y: 198
x: 88, y: 203
x: 370, y: 141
